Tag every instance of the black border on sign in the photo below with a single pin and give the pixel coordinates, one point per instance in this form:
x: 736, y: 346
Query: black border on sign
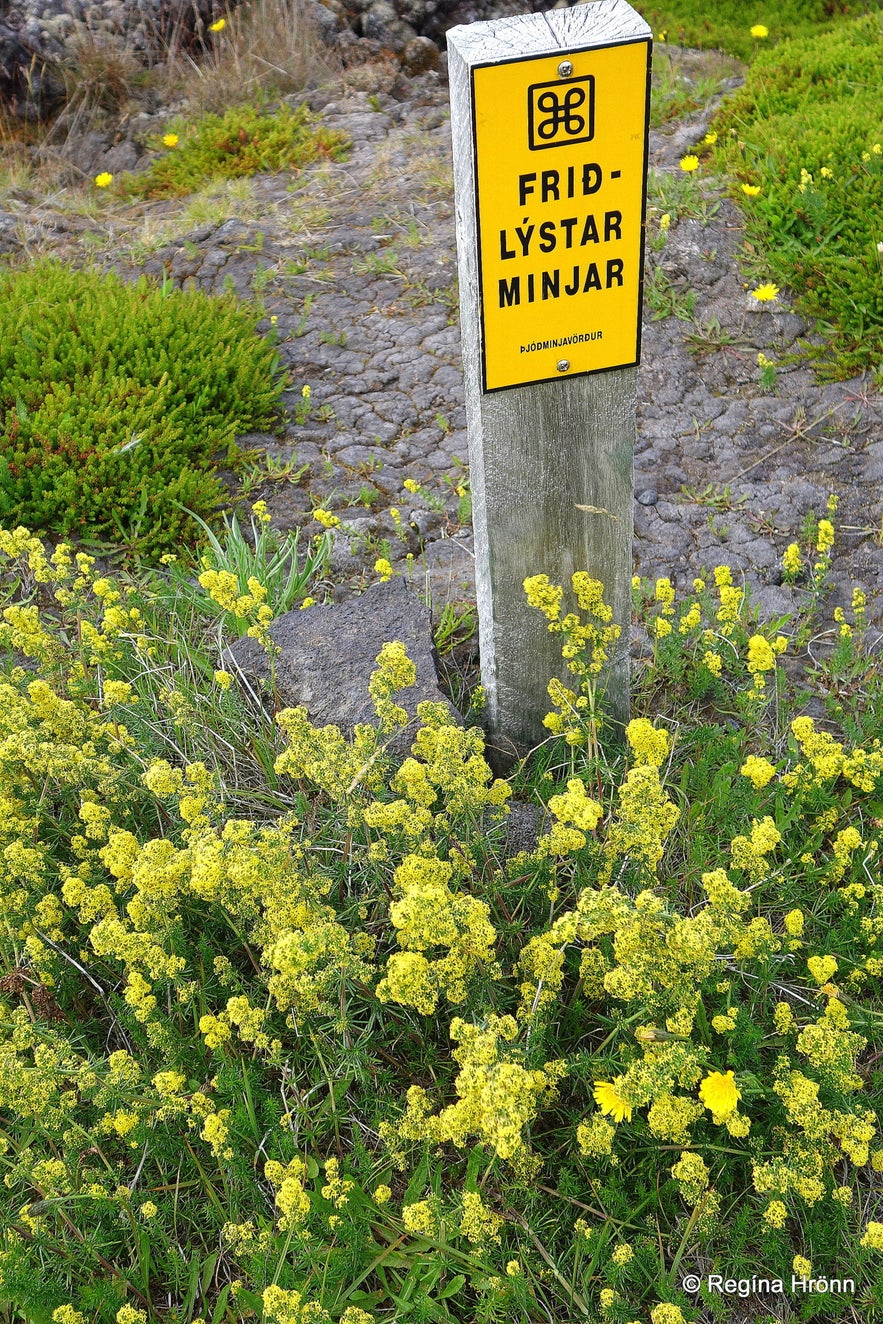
x: 520, y: 59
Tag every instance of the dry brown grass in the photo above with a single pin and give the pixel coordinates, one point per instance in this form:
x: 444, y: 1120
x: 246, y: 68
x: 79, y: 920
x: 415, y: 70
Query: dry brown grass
x: 268, y: 48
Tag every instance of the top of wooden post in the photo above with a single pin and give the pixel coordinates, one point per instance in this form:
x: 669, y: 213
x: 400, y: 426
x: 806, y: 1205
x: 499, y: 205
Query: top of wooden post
x: 586, y: 24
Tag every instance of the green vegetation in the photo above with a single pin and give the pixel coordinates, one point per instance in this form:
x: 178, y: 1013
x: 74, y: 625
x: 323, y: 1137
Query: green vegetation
x: 118, y: 399
x: 243, y: 141
x: 289, y: 1032
x: 726, y: 25
x: 805, y: 131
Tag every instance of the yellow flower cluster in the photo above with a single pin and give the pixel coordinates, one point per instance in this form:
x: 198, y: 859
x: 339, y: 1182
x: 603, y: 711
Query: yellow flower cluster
x: 428, y: 916
x: 586, y: 649
x: 498, y: 1096
x: 223, y: 588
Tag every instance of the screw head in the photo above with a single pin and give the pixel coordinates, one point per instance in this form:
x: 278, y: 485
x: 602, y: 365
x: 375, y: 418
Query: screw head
x: 565, y: 68
x: 563, y: 365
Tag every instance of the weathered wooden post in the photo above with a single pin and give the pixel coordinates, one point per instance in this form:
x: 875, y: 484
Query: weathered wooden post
x: 549, y: 117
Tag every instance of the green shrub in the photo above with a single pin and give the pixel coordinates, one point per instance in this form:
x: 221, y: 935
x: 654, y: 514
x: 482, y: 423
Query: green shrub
x: 243, y: 141
x: 116, y: 399
x: 806, y: 129
x: 726, y: 25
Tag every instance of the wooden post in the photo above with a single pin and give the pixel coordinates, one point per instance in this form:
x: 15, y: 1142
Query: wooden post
x: 549, y: 118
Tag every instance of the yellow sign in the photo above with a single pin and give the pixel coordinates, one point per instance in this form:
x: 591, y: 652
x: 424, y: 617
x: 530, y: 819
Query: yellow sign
x: 560, y: 169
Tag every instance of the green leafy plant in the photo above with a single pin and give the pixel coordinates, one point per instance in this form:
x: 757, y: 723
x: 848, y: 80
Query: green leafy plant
x: 118, y: 399
x: 727, y: 26
x: 271, y: 558
x: 243, y: 141
x: 803, y: 146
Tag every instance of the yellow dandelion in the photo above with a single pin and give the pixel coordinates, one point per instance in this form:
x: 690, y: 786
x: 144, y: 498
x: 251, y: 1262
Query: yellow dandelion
x: 751, y: 190
x: 170, y: 140
x: 611, y: 1102
x: 720, y: 1093
x: 710, y: 138
x: 759, y: 30
x: 765, y: 293
x: 104, y: 179
x: 689, y: 163
x: 218, y: 26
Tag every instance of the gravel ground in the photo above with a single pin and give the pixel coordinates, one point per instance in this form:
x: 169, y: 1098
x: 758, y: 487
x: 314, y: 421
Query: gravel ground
x: 355, y: 263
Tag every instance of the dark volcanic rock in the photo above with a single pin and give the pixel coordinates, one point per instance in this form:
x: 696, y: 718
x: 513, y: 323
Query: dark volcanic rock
x: 329, y: 653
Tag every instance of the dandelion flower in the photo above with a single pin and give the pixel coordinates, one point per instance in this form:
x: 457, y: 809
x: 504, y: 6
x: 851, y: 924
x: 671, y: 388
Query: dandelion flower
x: 104, y: 179
x: 611, y: 1102
x: 689, y: 163
x: 760, y: 31
x: 720, y: 1093
x: 217, y: 26
x: 710, y: 138
x: 765, y: 293
x: 170, y: 139
x: 751, y: 190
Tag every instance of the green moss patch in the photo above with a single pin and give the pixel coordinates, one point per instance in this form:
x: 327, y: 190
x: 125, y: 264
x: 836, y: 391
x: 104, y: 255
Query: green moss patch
x: 115, y: 401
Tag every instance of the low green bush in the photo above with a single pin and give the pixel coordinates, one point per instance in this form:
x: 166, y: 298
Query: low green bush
x: 243, y: 141
x: 287, y: 1033
x: 726, y: 25
x: 806, y: 131
x: 117, y: 400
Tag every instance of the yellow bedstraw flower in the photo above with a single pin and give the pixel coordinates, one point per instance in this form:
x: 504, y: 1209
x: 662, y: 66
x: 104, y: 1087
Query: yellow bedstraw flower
x: 822, y: 968
x: 794, y: 923
x: 775, y: 1213
x: 802, y: 1266
x: 720, y: 1094
x: 383, y: 568
x: 689, y: 163
x: 611, y: 1102
x: 751, y: 190
x: 667, y: 1314
x: 104, y: 179
x: 759, y: 30
x: 664, y: 223
x: 825, y: 536
x: 170, y: 140
x: 791, y: 560
x: 758, y: 771
x: 873, y: 1237
x: 325, y: 518
x: 765, y: 293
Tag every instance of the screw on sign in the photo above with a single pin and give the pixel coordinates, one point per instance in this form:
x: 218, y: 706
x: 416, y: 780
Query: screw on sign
x: 549, y: 116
